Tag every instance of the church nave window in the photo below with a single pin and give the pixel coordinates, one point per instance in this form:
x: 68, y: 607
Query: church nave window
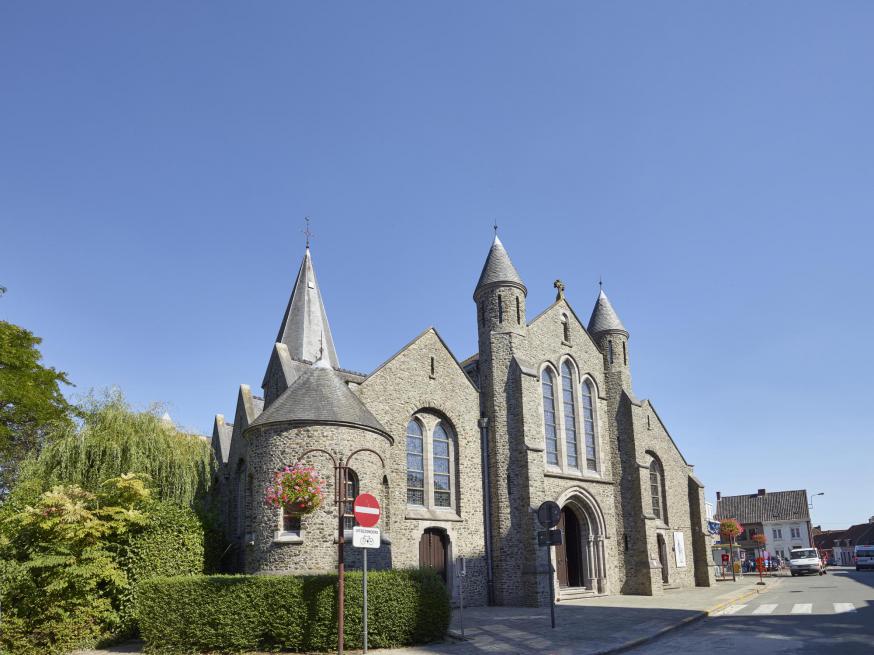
x: 589, y: 425
x: 440, y: 448
x: 657, y: 490
x: 549, y: 425
x: 430, y: 463
x: 570, y: 414
x: 415, y: 464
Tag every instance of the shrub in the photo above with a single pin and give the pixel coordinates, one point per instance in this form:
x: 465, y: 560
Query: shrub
x: 170, y: 544
x: 298, y: 613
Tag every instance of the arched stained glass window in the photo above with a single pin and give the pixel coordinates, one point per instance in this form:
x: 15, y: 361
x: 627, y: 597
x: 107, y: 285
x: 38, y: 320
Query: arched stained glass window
x: 589, y: 425
x: 657, y: 489
x: 549, y: 417
x: 441, y: 462
x: 351, y: 492
x: 570, y: 414
x: 415, y: 464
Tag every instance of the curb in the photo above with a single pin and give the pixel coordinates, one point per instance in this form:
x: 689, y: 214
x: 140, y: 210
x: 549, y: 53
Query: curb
x: 640, y: 641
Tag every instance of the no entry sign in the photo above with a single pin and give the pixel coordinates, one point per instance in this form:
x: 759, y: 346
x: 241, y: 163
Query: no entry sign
x: 366, y: 510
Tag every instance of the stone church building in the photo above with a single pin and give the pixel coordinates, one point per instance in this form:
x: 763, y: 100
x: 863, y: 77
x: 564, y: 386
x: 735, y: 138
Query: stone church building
x: 460, y: 454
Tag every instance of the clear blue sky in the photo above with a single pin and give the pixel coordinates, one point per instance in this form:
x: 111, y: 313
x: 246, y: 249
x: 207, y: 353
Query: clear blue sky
x: 713, y: 162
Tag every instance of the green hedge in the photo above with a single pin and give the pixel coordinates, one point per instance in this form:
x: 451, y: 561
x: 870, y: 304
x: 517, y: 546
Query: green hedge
x: 227, y: 613
x: 171, y: 544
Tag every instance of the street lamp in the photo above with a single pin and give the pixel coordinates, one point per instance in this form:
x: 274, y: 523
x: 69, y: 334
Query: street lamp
x: 809, y: 522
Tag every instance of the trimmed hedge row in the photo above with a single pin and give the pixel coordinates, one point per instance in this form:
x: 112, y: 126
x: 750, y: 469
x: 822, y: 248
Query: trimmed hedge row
x: 231, y: 613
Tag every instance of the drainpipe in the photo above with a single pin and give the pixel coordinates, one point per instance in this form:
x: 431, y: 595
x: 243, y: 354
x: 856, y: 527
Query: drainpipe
x: 487, y: 507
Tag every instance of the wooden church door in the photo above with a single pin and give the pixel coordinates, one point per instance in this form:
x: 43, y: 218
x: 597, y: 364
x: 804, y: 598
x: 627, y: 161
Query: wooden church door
x: 432, y: 551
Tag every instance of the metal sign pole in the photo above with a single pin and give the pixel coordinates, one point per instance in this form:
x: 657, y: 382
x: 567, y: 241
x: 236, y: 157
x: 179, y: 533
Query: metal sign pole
x: 551, y: 591
x: 365, y: 599
x: 462, y: 573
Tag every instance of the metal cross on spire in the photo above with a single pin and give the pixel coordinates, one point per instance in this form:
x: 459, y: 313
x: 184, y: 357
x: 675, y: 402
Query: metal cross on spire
x: 600, y: 283
x: 307, y: 232
x: 495, y: 226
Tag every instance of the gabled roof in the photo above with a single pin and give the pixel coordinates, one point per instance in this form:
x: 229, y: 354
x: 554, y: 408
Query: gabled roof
x: 604, y: 317
x: 304, y: 327
x: 221, y: 437
x: 319, y: 396
x: 421, y: 335
x: 498, y: 269
x: 772, y: 506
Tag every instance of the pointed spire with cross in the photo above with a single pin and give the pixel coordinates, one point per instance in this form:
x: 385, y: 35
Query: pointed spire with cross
x: 307, y: 232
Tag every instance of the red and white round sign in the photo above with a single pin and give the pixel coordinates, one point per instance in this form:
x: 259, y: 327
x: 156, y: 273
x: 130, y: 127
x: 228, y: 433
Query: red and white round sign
x: 366, y: 510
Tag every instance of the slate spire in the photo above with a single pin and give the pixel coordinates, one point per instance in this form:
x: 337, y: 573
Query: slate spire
x: 499, y: 270
x: 604, y: 317
x: 304, y: 327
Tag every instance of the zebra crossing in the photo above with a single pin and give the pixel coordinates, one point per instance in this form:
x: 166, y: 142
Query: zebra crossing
x: 785, y: 608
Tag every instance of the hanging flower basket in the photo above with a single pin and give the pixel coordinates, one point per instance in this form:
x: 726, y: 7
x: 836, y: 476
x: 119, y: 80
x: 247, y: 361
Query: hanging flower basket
x: 297, y: 489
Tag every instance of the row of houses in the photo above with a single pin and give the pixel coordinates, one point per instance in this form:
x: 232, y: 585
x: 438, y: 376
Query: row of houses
x: 782, y: 516
x: 839, y: 544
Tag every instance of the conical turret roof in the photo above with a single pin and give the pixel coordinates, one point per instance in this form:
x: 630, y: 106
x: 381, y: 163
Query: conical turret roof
x: 604, y: 317
x: 304, y: 327
x: 499, y: 270
x: 319, y: 396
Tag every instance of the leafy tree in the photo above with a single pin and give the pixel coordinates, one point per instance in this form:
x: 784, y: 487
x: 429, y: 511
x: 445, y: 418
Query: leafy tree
x: 113, y: 439
x: 31, y: 402
x: 61, y: 574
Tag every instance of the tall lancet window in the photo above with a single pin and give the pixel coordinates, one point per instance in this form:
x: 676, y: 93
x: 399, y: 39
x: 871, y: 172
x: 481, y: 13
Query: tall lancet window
x: 589, y: 425
x: 549, y: 417
x: 415, y: 464
x: 440, y: 445
x: 657, y: 490
x: 570, y: 414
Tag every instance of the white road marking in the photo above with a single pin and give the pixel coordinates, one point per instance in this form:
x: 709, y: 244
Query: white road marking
x: 841, y: 608
x: 766, y: 608
x: 731, y: 609
x: 802, y: 608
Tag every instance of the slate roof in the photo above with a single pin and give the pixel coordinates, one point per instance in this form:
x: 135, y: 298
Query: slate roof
x: 304, y: 328
x: 859, y: 535
x: 499, y: 269
x: 773, y: 506
x: 319, y: 395
x: 604, y: 317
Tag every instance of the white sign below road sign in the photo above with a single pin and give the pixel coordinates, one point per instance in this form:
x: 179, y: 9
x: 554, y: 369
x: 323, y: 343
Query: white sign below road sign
x: 365, y: 537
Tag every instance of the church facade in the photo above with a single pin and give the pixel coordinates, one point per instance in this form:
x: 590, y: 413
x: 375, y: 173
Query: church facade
x: 461, y: 454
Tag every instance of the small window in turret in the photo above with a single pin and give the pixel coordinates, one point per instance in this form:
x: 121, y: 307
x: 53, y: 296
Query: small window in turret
x: 624, y: 354
x: 500, y: 309
x: 518, y: 312
x: 610, y: 350
x: 482, y: 314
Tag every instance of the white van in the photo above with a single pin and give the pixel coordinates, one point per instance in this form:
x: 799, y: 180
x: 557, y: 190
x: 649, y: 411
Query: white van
x: 804, y: 560
x: 864, y: 557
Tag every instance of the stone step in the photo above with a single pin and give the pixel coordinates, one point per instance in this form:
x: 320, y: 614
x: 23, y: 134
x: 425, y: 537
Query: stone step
x: 573, y: 593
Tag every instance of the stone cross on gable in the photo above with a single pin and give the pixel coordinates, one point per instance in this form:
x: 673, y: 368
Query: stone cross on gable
x: 559, y: 285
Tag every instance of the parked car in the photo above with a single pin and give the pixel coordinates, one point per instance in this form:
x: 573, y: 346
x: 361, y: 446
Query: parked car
x: 805, y: 560
x: 864, y: 557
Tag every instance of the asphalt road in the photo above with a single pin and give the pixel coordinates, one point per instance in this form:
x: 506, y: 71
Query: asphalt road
x: 805, y: 615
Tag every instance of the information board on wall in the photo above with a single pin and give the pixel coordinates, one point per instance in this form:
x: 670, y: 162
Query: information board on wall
x: 680, y: 549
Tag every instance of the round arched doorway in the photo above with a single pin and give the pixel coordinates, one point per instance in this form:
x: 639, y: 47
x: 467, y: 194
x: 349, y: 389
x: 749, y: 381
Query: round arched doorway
x: 580, y: 560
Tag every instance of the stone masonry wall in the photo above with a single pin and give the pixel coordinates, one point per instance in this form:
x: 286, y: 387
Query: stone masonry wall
x: 403, y: 387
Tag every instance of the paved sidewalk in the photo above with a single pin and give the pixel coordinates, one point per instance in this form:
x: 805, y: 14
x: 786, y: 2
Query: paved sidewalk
x: 587, y: 627
x: 593, y: 626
